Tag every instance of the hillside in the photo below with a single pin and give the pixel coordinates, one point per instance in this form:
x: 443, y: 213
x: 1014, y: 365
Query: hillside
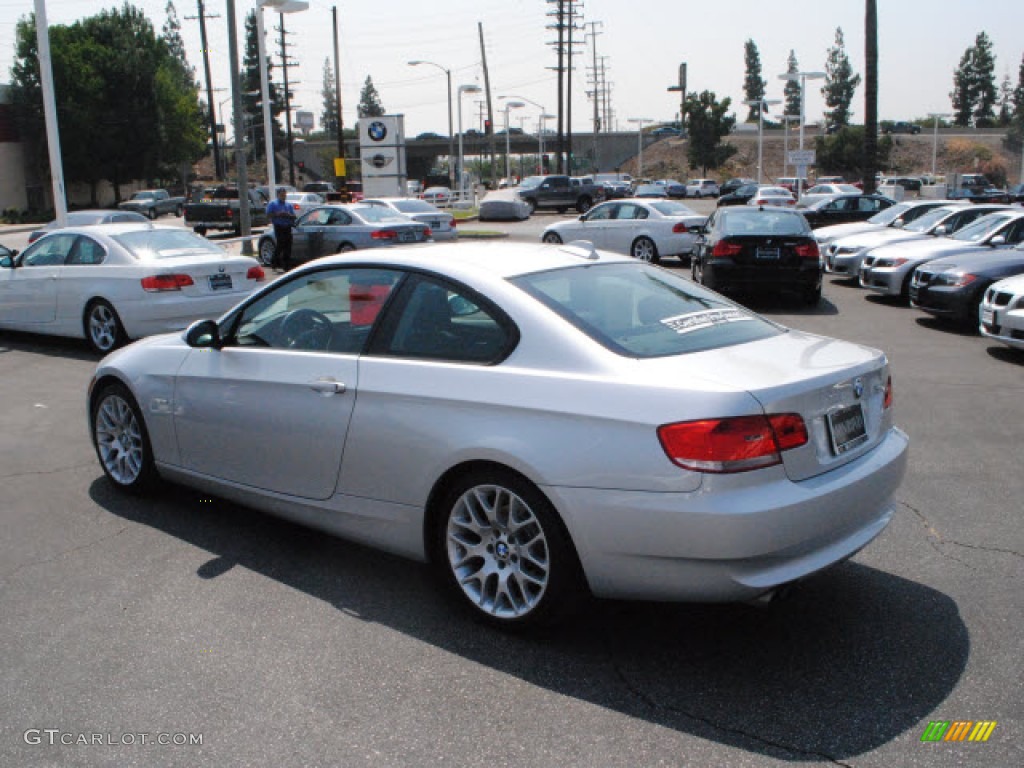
x: 979, y: 153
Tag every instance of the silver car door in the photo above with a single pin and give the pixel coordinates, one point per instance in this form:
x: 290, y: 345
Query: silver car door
x: 271, y: 409
x: 623, y: 228
x: 29, y: 293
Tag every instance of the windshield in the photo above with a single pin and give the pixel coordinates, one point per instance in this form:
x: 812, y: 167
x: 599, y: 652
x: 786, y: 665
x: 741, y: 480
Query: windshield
x: 890, y: 214
x: 378, y: 214
x: 532, y: 181
x: 414, y: 206
x: 982, y: 228
x: 928, y: 220
x: 143, y: 196
x: 167, y: 243
x: 672, y: 208
x: 637, y: 310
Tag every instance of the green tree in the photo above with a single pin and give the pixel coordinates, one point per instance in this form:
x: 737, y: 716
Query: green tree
x: 840, y: 83
x: 171, y: 36
x: 974, y: 85
x: 252, y: 106
x: 1014, y: 140
x: 1005, y: 102
x: 707, y: 123
x: 329, y: 93
x: 753, y: 84
x: 842, y: 153
x: 369, y: 100
x: 792, y: 89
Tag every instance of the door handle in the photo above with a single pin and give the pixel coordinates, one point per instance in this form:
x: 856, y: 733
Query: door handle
x: 327, y: 386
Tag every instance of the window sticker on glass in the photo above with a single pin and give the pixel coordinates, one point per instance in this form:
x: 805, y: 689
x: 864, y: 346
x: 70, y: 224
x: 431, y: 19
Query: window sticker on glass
x: 698, y: 321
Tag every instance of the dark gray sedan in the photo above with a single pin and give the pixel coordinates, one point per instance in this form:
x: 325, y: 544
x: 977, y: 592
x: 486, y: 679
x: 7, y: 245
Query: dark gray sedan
x: 341, y: 228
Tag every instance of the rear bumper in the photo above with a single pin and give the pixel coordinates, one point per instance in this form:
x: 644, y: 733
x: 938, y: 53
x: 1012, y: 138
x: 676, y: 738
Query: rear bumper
x: 729, y: 276
x: 165, y: 314
x: 728, y: 544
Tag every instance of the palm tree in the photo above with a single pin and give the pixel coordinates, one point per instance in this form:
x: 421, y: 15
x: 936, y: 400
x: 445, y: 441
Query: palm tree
x: 870, y: 94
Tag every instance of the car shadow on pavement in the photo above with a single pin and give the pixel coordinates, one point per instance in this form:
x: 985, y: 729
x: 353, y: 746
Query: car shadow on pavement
x: 51, y: 346
x: 785, y: 305
x: 947, y: 326
x: 850, y: 661
x: 1007, y: 355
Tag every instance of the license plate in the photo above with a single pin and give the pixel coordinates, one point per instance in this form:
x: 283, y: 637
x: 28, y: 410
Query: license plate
x: 847, y: 429
x: 406, y: 237
x: 220, y: 282
x: 988, y: 316
x: 767, y: 254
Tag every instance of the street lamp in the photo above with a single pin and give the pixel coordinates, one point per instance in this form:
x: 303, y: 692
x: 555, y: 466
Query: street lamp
x: 508, y: 135
x: 786, y: 120
x: 762, y: 105
x: 451, y: 132
x: 469, y: 88
x: 281, y: 6
x: 639, y: 142
x: 935, y: 139
x: 543, y: 116
x: 802, y: 77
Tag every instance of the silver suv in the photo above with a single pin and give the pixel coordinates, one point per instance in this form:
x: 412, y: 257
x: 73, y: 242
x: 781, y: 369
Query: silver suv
x: 702, y: 188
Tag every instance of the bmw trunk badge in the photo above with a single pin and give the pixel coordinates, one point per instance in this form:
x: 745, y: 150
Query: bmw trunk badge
x: 858, y: 388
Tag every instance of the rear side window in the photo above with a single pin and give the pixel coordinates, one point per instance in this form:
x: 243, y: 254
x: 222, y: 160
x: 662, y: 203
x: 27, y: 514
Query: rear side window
x: 637, y: 310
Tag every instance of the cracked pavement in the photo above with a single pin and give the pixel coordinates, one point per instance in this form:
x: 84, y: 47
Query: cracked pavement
x: 282, y: 646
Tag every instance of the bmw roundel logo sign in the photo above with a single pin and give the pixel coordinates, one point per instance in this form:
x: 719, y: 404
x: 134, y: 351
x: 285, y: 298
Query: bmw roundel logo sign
x: 377, y: 130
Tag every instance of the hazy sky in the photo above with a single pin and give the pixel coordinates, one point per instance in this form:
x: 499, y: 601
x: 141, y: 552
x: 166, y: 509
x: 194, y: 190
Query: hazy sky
x: 920, y: 45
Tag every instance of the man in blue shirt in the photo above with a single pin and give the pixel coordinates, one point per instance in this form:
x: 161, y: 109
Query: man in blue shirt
x: 282, y: 216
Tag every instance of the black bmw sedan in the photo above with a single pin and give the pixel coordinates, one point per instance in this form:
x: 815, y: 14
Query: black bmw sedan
x: 953, y: 287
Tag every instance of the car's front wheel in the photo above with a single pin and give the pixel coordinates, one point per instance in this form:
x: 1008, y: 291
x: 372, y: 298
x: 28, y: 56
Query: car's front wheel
x: 503, y: 550
x: 266, y: 252
x: 531, y: 204
x: 103, y: 329
x: 552, y: 237
x: 121, y: 441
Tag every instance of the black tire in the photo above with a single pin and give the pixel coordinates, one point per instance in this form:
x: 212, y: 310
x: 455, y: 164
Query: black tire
x: 121, y: 440
x: 528, y: 575
x: 103, y: 329
x: 584, y: 204
x: 531, y: 204
x: 644, y: 249
x: 561, y: 209
x: 151, y: 213
x: 265, y: 252
x: 551, y: 237
x: 346, y: 248
x: 178, y: 211
x: 812, y: 296
x: 201, y: 231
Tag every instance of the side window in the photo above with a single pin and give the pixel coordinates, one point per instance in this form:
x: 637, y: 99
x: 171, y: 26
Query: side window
x: 87, y: 251
x: 339, y: 219
x: 51, y: 251
x: 867, y: 204
x: 441, y: 322
x: 1015, y: 232
x: 325, y: 311
x: 602, y: 213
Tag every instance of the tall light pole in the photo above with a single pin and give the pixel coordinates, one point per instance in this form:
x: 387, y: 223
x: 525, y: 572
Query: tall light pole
x: 762, y: 105
x: 639, y: 142
x: 540, y: 131
x: 786, y: 120
x: 281, y: 6
x: 60, y: 203
x: 935, y: 139
x: 508, y: 136
x: 802, y: 77
x: 451, y: 131
x: 468, y: 88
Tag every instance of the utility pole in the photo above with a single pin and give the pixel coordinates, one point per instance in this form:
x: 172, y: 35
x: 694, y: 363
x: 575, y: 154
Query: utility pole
x: 244, y: 219
x: 343, y: 176
x: 566, y: 14
x: 680, y: 88
x: 596, y: 93
x: 487, y: 95
x: 209, y: 86
x: 285, y: 64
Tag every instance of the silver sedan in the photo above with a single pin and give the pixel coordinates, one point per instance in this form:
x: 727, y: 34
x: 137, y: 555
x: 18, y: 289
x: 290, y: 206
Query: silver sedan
x: 535, y: 421
x: 646, y: 229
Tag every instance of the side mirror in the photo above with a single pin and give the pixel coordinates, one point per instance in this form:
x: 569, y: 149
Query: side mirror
x: 7, y: 262
x: 898, y: 224
x: 997, y: 241
x: 203, y: 334
x: 941, y: 230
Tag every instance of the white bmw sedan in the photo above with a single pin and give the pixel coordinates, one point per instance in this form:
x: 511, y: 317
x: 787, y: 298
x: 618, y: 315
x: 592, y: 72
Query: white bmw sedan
x: 535, y: 421
x: 113, y: 282
x: 646, y: 229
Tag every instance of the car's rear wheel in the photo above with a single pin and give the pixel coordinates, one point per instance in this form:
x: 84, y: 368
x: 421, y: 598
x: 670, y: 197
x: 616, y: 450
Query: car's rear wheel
x: 151, y: 213
x: 346, y: 248
x: 531, y: 204
x: 266, y: 252
x: 812, y: 296
x: 552, y: 237
x: 201, y: 231
x: 504, y: 551
x: 103, y: 328
x: 121, y: 441
x: 178, y: 211
x: 584, y: 204
x: 644, y: 249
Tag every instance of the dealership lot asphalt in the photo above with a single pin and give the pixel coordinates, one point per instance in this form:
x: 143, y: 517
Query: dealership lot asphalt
x: 181, y: 614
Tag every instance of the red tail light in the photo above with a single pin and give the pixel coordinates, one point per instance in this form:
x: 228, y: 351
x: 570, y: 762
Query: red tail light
x: 255, y: 273
x: 887, y: 402
x: 296, y: 206
x: 384, y: 234
x: 157, y: 283
x: 807, y: 251
x: 453, y: 223
x: 680, y: 228
x: 724, y: 248
x: 737, y: 444
x: 427, y: 233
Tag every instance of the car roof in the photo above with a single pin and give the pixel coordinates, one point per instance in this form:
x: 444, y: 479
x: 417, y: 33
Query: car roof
x: 495, y: 260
